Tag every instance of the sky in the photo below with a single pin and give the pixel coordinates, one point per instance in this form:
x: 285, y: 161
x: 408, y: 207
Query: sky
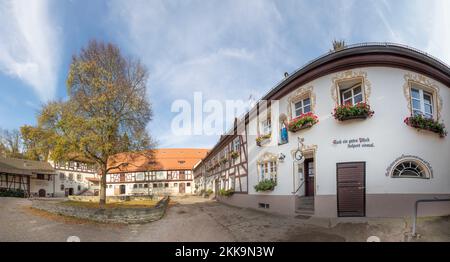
x: 233, y: 49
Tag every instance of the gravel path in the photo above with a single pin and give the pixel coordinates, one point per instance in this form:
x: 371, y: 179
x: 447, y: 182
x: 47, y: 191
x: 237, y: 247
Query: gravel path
x: 198, y: 219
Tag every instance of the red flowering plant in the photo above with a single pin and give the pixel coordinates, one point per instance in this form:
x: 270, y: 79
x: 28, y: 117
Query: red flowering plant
x: 421, y: 122
x: 349, y: 111
x: 303, y: 121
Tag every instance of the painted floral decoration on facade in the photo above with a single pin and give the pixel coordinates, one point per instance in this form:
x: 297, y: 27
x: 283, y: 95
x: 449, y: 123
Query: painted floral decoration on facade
x: 348, y: 111
x: 303, y: 121
x: 421, y: 122
x: 262, y: 138
x: 234, y: 154
x: 265, y: 185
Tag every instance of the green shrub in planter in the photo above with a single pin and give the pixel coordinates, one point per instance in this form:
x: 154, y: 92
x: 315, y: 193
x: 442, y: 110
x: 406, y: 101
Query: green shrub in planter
x: 265, y: 185
x: 12, y: 192
x: 226, y: 193
x: 208, y: 192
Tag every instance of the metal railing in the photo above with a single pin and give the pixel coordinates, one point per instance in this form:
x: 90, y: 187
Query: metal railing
x: 295, y: 192
x: 416, y: 206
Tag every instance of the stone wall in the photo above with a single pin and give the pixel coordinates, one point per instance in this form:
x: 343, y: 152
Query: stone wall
x: 106, y: 215
x: 112, y: 199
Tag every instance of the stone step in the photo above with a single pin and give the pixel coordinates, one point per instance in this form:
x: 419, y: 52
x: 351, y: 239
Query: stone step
x: 303, y: 211
x: 305, y: 202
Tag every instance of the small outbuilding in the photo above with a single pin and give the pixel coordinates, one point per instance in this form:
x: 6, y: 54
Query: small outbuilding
x: 35, y: 178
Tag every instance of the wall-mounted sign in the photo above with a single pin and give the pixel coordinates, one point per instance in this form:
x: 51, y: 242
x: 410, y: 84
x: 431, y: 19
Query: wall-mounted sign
x: 354, y: 142
x: 298, y: 155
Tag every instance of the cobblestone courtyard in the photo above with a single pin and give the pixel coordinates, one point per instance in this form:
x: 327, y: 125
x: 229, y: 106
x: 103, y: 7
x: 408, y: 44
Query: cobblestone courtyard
x: 197, y: 219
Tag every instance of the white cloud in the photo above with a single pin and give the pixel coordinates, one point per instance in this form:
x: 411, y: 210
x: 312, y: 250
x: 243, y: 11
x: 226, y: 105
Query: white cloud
x: 224, y: 49
x: 29, y: 48
x: 231, y: 49
x: 439, y: 42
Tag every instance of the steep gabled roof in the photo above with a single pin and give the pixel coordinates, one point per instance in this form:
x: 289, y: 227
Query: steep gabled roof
x: 25, y: 167
x: 157, y: 160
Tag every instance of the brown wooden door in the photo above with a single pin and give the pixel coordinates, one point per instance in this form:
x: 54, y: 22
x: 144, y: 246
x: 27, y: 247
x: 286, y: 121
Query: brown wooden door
x: 41, y: 193
x: 182, y: 188
x: 116, y: 190
x: 351, y: 191
x: 309, y: 177
x: 122, y: 189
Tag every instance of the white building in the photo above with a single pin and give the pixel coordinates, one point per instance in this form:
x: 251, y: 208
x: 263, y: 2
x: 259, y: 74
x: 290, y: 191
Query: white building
x: 156, y: 172
x: 75, y: 178
x: 354, y: 162
x: 33, y: 178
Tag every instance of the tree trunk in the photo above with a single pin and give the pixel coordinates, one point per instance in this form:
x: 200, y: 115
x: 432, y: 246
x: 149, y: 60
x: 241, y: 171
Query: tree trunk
x: 102, y: 187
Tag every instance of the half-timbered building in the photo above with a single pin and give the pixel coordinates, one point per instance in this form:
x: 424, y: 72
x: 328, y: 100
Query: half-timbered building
x: 34, y: 178
x: 75, y: 177
x: 157, y: 172
x: 225, y: 168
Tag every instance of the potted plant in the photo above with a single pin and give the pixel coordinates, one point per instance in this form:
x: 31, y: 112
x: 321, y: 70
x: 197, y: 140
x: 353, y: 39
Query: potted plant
x: 234, y: 154
x: 303, y: 121
x: 347, y: 111
x: 223, y: 160
x: 421, y: 122
x: 265, y: 185
x: 261, y: 139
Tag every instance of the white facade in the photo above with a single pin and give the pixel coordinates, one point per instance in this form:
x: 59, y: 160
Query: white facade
x: 74, y: 178
x: 150, y: 183
x: 42, y: 185
x: 387, y: 93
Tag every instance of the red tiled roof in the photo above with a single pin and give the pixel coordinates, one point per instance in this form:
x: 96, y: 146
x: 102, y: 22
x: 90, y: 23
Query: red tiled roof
x: 156, y: 160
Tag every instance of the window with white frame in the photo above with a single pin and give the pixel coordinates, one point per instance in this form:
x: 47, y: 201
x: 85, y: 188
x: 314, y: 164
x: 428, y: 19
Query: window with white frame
x: 236, y: 145
x: 421, y: 102
x: 140, y: 176
x: 351, y: 93
x: 268, y: 170
x: 409, y: 169
x: 266, y: 126
x: 302, y: 106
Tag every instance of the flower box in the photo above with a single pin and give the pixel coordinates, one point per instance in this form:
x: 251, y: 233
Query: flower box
x: 265, y: 185
x: 421, y: 122
x: 302, y: 122
x: 234, y: 154
x: 348, y: 112
x: 223, y: 160
x: 263, y: 139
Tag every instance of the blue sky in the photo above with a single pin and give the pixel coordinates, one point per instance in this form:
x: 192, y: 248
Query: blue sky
x: 224, y: 49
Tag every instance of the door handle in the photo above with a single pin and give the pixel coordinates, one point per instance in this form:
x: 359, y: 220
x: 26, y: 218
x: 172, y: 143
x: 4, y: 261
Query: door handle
x: 361, y: 187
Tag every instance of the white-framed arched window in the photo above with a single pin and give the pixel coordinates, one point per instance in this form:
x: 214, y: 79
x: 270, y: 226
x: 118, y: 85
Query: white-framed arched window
x: 410, y: 167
